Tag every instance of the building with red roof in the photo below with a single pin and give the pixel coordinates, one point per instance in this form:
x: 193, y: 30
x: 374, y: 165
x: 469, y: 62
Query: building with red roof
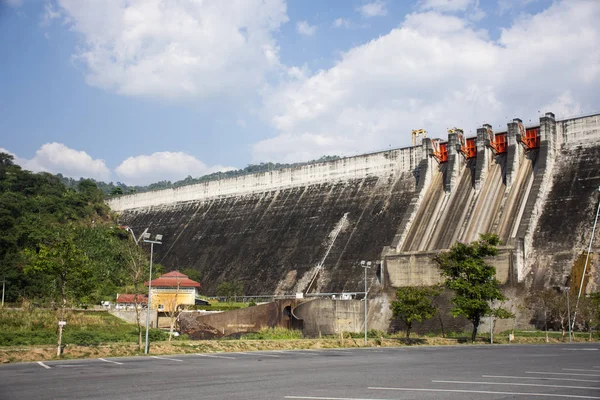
x: 173, y: 290
x: 129, y: 301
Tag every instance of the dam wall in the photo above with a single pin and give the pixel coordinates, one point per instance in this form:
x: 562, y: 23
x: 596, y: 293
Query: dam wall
x: 380, y: 164
x: 536, y: 187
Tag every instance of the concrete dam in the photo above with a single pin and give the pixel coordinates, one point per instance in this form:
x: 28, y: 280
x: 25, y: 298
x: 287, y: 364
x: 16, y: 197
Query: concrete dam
x: 306, y: 229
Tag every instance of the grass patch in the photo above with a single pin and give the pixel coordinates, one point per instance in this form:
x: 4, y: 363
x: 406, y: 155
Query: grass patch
x: 86, y: 328
x: 273, y: 334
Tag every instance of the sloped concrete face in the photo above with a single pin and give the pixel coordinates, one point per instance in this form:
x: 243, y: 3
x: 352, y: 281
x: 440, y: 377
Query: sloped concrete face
x: 566, y: 221
x: 271, y: 241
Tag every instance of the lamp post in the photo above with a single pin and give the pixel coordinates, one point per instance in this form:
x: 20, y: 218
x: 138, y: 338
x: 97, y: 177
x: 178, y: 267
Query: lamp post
x: 587, y: 257
x: 366, y: 265
x: 157, y: 240
x: 567, y: 288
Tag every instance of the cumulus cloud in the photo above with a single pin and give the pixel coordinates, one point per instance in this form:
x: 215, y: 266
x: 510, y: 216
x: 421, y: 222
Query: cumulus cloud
x: 58, y: 158
x: 437, y: 71
x: 374, y: 9
x: 178, y: 49
x: 306, y: 29
x: 171, y: 166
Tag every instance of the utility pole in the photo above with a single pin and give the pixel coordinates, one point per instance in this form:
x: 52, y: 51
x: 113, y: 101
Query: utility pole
x: 366, y: 265
x: 568, y: 312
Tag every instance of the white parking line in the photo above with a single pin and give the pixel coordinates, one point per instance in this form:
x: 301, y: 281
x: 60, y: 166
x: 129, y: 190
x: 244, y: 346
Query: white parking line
x: 44, y: 365
x: 327, y: 398
x: 583, y: 370
x: 558, y: 373
x: 569, y: 396
x: 519, y: 384
x: 540, y: 378
x: 110, y: 361
x: 564, y: 348
x: 166, y: 358
x: 211, y: 356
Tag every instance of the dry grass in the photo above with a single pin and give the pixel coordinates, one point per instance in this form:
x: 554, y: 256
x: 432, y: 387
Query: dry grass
x: 38, y: 353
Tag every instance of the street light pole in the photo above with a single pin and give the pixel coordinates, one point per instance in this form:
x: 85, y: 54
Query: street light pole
x: 3, y: 286
x: 157, y: 240
x: 366, y: 265
x: 568, y: 311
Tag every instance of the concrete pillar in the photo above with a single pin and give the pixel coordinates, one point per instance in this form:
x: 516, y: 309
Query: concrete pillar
x: 548, y: 132
x: 514, y: 151
x: 425, y: 170
x: 484, y: 154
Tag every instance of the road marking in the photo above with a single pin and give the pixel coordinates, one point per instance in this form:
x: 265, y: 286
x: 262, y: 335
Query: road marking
x: 256, y: 353
x: 211, y: 356
x: 110, y: 361
x: 520, y: 384
x: 577, y: 369
x: 558, y: 373
x: 570, y: 396
x: 166, y: 358
x: 579, y: 349
x: 327, y: 398
x: 540, y: 378
x: 44, y: 365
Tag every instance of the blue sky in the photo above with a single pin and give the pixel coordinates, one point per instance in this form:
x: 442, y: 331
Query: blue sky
x: 144, y: 90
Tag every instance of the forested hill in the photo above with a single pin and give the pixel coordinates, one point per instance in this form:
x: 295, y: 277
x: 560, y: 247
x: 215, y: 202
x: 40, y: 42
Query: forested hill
x: 54, y: 238
x: 115, y: 189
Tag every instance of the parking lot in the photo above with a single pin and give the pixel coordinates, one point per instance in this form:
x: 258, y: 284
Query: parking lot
x: 452, y: 372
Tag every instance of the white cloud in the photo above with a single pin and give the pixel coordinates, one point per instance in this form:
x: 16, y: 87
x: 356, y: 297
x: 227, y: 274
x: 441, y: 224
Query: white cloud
x: 58, y: 158
x: 177, y: 49
x: 306, y: 29
x: 50, y: 14
x: 171, y: 166
x: 374, y: 9
x: 342, y: 23
x: 437, y: 71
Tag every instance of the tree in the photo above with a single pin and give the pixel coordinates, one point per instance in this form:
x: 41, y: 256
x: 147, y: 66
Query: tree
x: 230, y: 289
x: 472, y: 279
x: 173, y: 309
x: 137, y: 269
x: 117, y: 191
x: 64, y: 262
x: 414, y: 304
x: 541, y: 302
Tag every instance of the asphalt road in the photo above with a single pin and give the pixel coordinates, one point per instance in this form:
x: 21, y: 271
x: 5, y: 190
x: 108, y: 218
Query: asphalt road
x: 457, y: 372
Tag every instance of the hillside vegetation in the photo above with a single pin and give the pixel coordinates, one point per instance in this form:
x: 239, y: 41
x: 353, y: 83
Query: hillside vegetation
x: 56, y: 240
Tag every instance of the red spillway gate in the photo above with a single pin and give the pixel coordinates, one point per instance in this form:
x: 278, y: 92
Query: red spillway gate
x: 468, y: 146
x: 530, y: 137
x: 498, y: 141
x: 440, y: 150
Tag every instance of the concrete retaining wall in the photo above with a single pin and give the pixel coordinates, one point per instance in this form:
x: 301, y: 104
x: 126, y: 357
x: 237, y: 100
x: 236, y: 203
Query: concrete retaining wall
x: 418, y: 268
x: 129, y: 316
x: 330, y: 317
